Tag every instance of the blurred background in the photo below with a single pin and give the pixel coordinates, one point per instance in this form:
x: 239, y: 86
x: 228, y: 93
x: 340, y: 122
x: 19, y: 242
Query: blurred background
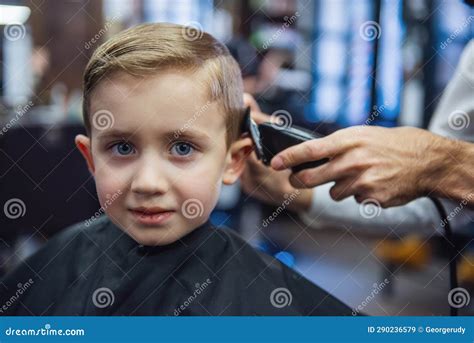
x: 329, y: 63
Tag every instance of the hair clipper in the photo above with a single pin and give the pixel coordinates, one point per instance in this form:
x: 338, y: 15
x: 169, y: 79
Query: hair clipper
x: 269, y: 139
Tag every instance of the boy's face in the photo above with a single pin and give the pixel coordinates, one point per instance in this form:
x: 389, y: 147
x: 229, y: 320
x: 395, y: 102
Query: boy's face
x: 158, y: 153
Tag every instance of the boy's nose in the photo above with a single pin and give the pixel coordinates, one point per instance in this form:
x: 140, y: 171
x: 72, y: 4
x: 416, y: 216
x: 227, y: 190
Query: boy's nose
x: 149, y: 178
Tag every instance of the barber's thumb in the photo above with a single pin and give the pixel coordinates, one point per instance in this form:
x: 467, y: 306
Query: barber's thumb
x: 277, y: 163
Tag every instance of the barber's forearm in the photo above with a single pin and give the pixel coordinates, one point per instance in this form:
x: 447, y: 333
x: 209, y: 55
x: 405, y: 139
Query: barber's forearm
x: 451, y: 172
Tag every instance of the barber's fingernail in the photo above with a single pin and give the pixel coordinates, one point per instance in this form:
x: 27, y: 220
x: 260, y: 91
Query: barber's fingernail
x: 277, y: 163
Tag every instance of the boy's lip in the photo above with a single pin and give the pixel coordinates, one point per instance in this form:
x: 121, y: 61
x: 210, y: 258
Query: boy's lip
x: 151, y: 216
x: 150, y: 210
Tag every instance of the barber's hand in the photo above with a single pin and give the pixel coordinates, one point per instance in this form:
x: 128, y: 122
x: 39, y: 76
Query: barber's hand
x: 389, y: 166
x: 264, y: 183
x: 273, y: 187
x: 257, y: 115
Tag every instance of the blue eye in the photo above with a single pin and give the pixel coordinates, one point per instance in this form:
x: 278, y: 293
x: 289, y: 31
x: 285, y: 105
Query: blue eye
x: 123, y: 148
x: 182, y: 149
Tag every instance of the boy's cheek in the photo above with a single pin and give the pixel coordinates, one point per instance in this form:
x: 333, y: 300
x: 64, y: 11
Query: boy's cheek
x: 110, y: 189
x: 110, y: 200
x: 110, y: 174
x: 199, y: 194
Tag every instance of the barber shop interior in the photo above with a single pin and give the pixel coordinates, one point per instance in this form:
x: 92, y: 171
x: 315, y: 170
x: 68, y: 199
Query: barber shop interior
x: 359, y: 215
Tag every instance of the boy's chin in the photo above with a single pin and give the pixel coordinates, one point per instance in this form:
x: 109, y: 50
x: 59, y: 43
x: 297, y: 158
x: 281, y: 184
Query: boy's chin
x: 157, y: 236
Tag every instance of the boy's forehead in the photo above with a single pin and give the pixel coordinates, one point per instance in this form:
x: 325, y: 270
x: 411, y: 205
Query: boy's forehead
x: 166, y: 101
x: 168, y: 88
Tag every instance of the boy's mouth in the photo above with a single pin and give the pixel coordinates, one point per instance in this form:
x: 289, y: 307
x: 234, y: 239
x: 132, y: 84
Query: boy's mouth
x: 151, y: 215
x: 150, y: 210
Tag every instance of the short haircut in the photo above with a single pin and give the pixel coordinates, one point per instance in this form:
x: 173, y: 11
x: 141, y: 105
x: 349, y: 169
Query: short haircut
x: 148, y: 49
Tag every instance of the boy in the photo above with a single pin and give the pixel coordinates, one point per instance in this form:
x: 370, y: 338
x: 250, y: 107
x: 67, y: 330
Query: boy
x: 162, y: 113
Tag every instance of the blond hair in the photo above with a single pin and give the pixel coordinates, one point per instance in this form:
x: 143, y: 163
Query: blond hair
x: 150, y: 48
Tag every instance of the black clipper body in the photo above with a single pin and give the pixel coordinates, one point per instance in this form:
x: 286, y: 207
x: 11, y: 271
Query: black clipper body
x: 270, y: 139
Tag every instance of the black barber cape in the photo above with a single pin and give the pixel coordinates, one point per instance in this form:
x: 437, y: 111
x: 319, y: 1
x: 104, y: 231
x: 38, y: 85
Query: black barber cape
x: 99, y: 270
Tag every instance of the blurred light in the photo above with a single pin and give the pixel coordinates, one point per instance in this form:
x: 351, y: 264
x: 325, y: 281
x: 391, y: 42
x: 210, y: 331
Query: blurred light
x: 286, y: 257
x: 360, y: 67
x: 334, y: 16
x: 329, y: 100
x: 14, y: 14
x: 390, y: 77
x: 331, y: 57
x: 219, y: 218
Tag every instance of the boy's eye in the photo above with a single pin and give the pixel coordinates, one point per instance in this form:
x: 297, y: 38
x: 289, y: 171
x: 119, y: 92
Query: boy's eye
x: 123, y: 148
x: 182, y: 149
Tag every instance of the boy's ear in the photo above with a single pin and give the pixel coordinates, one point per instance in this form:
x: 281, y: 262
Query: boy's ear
x: 236, y: 157
x: 83, y: 143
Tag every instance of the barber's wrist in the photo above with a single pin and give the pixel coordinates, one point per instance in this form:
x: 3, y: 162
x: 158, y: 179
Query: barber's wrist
x: 446, y: 159
x: 459, y: 177
x: 433, y: 163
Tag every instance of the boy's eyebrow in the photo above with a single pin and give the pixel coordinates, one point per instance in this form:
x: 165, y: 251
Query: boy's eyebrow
x: 187, y: 134
x: 114, y: 133
x: 171, y: 135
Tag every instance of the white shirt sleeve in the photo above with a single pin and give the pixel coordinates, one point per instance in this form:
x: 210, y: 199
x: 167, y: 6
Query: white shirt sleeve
x: 454, y: 118
x: 454, y: 115
x: 419, y: 216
